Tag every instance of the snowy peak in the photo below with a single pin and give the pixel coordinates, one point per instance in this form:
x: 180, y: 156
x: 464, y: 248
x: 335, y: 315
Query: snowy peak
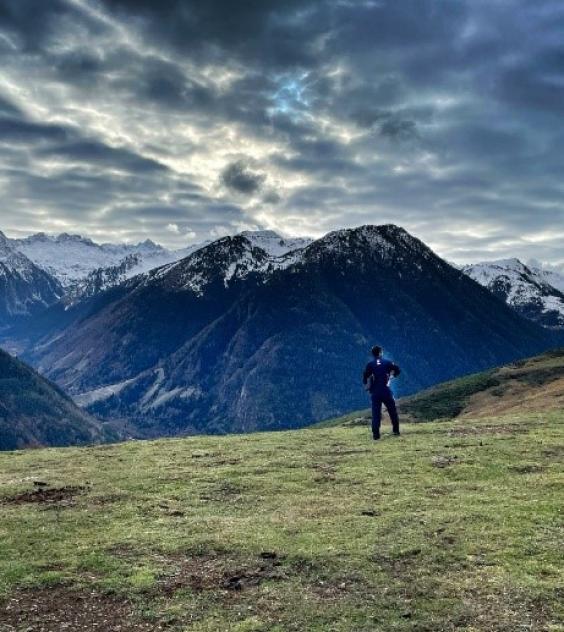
x: 78, y: 262
x: 84, y: 267
x: 265, y: 252
x: 9, y: 256
x: 385, y: 245
x: 369, y: 236
x: 273, y: 243
x: 525, y: 289
x: 222, y: 261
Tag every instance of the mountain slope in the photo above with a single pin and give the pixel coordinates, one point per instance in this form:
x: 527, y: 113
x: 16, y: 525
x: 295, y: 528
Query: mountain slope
x: 525, y: 289
x: 233, y: 339
x: 533, y: 384
x: 34, y: 412
x: 25, y: 289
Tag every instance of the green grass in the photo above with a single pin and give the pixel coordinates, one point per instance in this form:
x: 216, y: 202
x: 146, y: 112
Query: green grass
x: 453, y: 526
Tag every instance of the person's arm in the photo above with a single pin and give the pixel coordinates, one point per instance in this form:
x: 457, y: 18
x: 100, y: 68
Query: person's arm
x: 367, y: 373
x: 395, y: 370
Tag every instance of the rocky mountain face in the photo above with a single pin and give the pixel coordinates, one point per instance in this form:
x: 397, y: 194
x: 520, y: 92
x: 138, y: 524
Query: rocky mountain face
x: 25, y: 289
x: 233, y: 338
x: 526, y: 289
x: 34, y: 412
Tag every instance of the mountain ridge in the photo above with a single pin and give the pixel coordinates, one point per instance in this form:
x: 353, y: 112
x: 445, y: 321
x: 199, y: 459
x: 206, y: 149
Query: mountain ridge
x: 231, y: 338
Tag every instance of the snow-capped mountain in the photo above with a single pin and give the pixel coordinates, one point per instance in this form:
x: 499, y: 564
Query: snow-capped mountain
x: 84, y: 267
x: 528, y: 290
x: 25, y: 289
x: 232, y: 338
x: 72, y: 258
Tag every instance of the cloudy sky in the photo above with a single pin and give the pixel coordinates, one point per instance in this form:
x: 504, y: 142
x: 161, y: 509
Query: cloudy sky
x: 184, y: 119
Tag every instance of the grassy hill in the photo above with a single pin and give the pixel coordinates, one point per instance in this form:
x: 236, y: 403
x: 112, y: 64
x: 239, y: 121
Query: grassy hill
x: 454, y: 526
x: 35, y: 412
x: 534, y: 384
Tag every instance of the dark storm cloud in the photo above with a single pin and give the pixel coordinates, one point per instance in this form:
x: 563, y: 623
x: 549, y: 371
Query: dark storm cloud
x: 239, y: 177
x: 280, y: 33
x: 345, y: 111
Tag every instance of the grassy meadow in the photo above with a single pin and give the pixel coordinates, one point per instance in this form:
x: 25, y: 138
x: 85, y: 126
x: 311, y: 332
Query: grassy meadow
x: 453, y: 526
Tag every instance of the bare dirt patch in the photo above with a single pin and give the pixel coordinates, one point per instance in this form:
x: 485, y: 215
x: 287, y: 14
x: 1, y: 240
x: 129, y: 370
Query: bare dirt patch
x: 398, y: 564
x: 507, y: 610
x: 61, y: 608
x: 218, y: 572
x: 45, y: 495
x: 223, y: 492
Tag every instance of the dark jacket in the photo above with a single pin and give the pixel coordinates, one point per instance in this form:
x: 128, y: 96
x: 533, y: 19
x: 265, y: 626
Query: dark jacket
x: 377, y: 374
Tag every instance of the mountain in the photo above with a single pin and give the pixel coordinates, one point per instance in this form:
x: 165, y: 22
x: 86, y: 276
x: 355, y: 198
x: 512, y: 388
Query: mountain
x: 234, y: 339
x: 72, y: 258
x: 85, y: 268
x: 533, y: 384
x: 34, y: 412
x: 525, y: 289
x: 25, y: 289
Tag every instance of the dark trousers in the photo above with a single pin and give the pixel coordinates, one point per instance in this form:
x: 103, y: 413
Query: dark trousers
x: 384, y: 397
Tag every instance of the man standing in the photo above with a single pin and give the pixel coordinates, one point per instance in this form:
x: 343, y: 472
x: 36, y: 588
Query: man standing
x: 376, y: 378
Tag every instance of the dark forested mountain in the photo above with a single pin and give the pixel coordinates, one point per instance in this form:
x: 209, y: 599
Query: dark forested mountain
x: 35, y: 412
x: 232, y: 338
x: 25, y: 289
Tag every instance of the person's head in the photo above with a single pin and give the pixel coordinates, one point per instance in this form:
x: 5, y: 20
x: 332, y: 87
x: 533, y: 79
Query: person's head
x: 376, y: 351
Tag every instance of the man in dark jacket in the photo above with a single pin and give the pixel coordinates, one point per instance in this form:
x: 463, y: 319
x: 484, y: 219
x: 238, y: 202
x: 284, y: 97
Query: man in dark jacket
x: 376, y: 378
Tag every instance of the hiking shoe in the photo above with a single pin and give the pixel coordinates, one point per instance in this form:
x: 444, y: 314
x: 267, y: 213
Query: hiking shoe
x: 376, y: 437
x: 396, y: 434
